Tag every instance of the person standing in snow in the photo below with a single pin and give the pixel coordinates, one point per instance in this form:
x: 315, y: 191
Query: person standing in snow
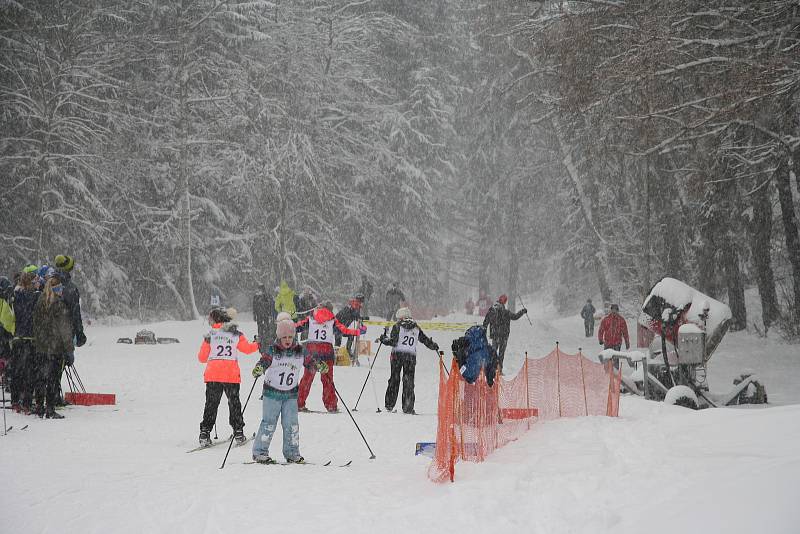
x: 469, y: 307
x: 23, y: 351
x: 498, y: 320
x: 484, y: 303
x: 394, y: 298
x: 320, y: 326
x: 587, y: 313
x: 305, y: 304
x: 365, y: 290
x: 72, y: 297
x: 613, y: 329
x: 348, y: 315
x: 52, y: 332
x: 405, y: 337
x: 284, y: 300
x: 282, y: 364
x: 220, y: 350
x: 263, y: 310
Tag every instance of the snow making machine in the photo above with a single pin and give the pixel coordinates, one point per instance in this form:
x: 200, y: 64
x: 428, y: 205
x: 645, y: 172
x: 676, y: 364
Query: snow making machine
x: 680, y: 328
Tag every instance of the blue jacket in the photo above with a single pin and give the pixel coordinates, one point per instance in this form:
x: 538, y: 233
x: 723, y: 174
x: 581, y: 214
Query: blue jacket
x: 474, y: 353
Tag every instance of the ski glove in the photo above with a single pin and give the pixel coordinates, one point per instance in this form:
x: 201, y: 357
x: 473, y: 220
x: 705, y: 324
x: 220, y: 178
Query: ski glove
x: 524, y: 311
x: 258, y: 371
x: 69, y: 359
x: 362, y: 330
x: 436, y: 347
x: 80, y: 339
x: 322, y: 367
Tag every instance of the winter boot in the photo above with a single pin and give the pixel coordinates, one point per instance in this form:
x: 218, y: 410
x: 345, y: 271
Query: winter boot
x: 205, y: 438
x: 238, y: 437
x: 52, y: 414
x: 298, y: 460
x: 263, y: 459
x: 303, y: 410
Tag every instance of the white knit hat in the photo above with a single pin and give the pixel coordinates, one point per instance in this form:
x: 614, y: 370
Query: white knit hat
x: 403, y: 313
x: 284, y: 329
x: 283, y: 316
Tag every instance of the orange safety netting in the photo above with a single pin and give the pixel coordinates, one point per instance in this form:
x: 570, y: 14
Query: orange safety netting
x: 475, y: 419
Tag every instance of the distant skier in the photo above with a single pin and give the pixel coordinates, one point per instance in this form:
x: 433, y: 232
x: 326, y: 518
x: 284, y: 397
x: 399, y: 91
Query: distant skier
x: 613, y: 329
x: 348, y: 315
x: 284, y: 300
x: 365, y: 290
x: 587, y: 312
x: 404, y: 337
x: 394, y: 298
x: 498, y: 320
x: 215, y: 299
x: 320, y: 326
x: 220, y: 349
x: 484, y: 303
x: 305, y: 304
x: 282, y: 363
x: 469, y: 307
x: 263, y: 311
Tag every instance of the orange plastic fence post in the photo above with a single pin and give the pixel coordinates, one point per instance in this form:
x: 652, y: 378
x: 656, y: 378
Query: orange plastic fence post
x: 527, y: 392
x: 583, y: 383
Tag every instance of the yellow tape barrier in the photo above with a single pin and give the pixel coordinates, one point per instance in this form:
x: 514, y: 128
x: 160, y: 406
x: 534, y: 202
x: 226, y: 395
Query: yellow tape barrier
x: 427, y: 325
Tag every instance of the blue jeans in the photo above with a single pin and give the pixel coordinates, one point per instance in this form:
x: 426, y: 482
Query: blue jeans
x: 286, y: 408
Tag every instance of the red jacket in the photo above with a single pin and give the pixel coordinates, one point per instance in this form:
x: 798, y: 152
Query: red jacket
x: 613, y: 329
x: 323, y: 315
x: 225, y: 369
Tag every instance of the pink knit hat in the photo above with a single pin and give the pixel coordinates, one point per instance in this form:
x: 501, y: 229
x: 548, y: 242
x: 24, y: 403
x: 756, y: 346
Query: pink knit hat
x: 284, y: 329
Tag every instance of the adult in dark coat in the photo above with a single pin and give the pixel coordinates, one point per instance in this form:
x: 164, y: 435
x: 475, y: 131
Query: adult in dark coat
x: 24, y: 354
x: 587, y: 312
x: 263, y: 312
x: 365, y: 291
x: 347, y: 315
x: 394, y: 297
x: 498, y: 320
x: 53, y: 334
x: 72, y: 297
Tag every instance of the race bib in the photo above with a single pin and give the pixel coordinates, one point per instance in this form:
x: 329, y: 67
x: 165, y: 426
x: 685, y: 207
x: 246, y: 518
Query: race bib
x: 223, y: 346
x: 407, y: 340
x: 320, y: 332
x: 285, y: 372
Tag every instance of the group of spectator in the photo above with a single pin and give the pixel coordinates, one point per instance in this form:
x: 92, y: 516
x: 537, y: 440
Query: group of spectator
x: 41, y: 321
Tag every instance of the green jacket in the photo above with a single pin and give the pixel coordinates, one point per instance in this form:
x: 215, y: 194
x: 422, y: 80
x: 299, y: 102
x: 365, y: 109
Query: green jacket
x: 284, y: 301
x: 52, y: 327
x: 7, y: 319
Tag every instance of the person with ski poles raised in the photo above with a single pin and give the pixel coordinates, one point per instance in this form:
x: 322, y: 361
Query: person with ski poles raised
x: 498, y: 320
x: 282, y: 364
x: 220, y: 350
x: 404, y: 337
x: 320, y: 326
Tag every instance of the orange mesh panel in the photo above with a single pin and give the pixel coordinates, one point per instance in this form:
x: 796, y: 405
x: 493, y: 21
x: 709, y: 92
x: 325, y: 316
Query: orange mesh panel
x: 475, y: 419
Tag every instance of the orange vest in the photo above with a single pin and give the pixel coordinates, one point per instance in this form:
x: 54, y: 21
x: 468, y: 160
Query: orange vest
x: 222, y: 361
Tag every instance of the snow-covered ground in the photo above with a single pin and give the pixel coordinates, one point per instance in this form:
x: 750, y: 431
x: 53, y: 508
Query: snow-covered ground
x: 654, y: 469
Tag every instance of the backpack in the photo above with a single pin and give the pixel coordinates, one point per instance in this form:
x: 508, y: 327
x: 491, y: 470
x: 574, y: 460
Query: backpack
x: 473, y: 352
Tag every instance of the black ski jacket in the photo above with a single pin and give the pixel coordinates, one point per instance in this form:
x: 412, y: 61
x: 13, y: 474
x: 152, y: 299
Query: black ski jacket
x: 394, y: 335
x: 498, y: 319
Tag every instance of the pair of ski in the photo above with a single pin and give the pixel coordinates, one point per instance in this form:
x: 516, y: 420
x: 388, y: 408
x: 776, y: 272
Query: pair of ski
x: 11, y: 427
x: 221, y: 442
x: 326, y: 464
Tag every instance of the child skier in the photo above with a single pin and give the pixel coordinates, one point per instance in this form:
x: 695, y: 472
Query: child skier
x: 320, y: 325
x: 404, y: 337
x: 220, y: 349
x: 281, y: 366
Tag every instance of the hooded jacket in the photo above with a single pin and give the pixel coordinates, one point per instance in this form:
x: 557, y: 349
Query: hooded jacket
x: 52, y: 327
x: 223, y: 364
x: 498, y: 319
x: 284, y: 301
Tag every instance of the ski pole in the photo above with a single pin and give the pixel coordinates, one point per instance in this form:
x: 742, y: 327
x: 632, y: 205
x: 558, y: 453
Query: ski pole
x: 78, y: 378
x: 380, y: 344
x: 215, y: 430
x: 441, y: 362
x: 375, y: 394
x: 243, y: 409
x: 526, y: 309
x: 372, y: 454
x: 5, y: 428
